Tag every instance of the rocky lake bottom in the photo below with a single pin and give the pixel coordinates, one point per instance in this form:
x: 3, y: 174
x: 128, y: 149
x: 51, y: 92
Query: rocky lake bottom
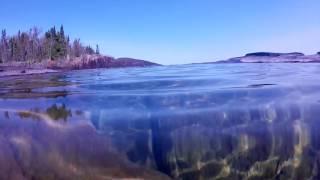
x: 205, y: 121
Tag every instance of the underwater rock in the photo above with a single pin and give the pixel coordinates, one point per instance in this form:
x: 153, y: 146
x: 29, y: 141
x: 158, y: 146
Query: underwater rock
x: 49, y: 149
x: 252, y: 143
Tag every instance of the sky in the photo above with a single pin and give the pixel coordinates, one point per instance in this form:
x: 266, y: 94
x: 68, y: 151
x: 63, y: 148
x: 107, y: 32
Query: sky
x: 175, y: 31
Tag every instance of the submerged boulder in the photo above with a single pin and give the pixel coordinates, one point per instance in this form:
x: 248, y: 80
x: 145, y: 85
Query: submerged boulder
x: 36, y: 146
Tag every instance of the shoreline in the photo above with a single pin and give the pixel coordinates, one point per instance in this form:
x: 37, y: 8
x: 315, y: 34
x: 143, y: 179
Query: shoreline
x: 9, y: 73
x: 84, y: 62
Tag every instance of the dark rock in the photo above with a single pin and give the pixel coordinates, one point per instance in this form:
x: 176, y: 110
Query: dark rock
x: 318, y: 53
x: 23, y: 71
x: 294, y: 54
x: 271, y: 54
x: 232, y: 175
x: 192, y: 175
x: 140, y: 152
x: 286, y: 172
x: 211, y: 170
x: 183, y: 165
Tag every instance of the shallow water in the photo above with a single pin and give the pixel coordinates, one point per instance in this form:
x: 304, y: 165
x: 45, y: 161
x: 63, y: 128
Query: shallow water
x: 210, y: 121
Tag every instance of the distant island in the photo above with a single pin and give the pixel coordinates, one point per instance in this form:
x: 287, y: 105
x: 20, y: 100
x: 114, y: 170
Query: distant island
x: 270, y: 57
x: 35, y: 52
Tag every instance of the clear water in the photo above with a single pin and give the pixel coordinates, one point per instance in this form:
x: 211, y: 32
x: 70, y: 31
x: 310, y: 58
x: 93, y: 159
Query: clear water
x: 210, y: 121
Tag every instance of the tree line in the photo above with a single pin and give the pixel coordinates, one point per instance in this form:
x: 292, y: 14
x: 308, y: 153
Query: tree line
x: 33, y: 46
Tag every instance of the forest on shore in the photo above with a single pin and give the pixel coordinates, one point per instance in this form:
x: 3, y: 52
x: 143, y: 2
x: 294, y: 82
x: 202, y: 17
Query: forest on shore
x: 35, y: 46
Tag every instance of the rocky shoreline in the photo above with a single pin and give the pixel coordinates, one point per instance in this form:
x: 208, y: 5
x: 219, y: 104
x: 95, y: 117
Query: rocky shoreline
x: 84, y: 62
x: 100, y: 61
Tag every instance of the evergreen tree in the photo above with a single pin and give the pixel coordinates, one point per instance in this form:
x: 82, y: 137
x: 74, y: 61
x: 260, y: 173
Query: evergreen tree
x: 62, y: 43
x: 62, y: 32
x: 31, y: 46
x: 97, y: 49
x: 89, y: 50
x: 3, y: 47
x: 13, y: 49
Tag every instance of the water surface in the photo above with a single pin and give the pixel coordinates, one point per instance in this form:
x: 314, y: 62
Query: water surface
x: 210, y: 121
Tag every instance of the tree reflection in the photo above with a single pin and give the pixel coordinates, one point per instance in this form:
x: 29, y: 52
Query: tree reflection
x: 28, y: 115
x: 54, y: 112
x: 6, y: 115
x: 57, y: 113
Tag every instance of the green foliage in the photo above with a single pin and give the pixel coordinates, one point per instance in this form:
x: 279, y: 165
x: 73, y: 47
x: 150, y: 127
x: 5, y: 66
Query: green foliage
x: 57, y: 43
x: 89, y: 50
x: 28, y: 46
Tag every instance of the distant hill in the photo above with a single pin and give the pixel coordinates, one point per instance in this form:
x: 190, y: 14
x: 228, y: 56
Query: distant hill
x: 271, y: 57
x: 98, y: 61
x: 135, y: 62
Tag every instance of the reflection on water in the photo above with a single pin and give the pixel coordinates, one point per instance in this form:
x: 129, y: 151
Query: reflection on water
x: 180, y: 122
x: 57, y: 113
x: 28, y: 87
x: 54, y: 112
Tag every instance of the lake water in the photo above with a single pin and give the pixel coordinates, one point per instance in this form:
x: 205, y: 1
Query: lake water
x: 209, y: 121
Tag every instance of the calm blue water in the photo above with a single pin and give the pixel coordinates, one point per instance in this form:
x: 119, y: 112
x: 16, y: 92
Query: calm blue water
x: 210, y: 121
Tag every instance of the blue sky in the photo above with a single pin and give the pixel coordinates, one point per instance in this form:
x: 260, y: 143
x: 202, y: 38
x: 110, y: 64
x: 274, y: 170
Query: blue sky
x: 175, y: 31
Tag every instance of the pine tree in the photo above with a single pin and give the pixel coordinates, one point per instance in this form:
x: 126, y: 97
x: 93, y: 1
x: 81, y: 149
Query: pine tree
x: 31, y: 46
x: 89, y: 50
x: 13, y: 49
x: 3, y: 47
x: 62, y: 43
x: 62, y: 32
x: 97, y: 49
